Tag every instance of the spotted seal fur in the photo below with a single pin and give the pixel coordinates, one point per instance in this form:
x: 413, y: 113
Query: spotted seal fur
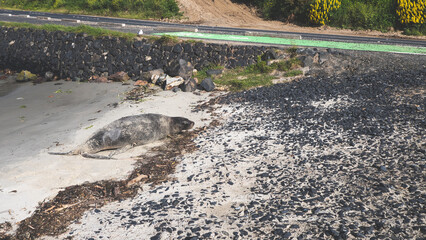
x: 130, y: 131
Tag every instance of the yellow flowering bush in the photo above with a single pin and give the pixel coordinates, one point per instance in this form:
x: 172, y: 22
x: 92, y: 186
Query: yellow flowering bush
x: 411, y: 11
x: 58, y: 3
x: 318, y: 13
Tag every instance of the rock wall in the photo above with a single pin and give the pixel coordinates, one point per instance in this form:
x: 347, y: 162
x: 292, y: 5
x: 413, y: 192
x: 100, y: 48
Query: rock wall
x: 79, y: 56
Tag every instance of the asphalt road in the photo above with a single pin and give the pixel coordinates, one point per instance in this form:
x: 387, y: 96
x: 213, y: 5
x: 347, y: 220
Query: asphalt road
x: 131, y: 25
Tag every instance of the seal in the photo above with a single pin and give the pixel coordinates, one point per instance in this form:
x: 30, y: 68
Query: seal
x: 130, y: 131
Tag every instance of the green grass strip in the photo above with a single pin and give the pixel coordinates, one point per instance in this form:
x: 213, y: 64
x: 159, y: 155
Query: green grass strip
x: 92, y: 31
x: 305, y: 43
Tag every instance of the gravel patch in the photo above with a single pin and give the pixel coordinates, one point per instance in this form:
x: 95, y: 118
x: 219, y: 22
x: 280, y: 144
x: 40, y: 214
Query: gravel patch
x: 339, y: 157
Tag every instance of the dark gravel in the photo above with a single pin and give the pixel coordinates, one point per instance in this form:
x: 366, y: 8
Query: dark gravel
x: 355, y: 169
x: 324, y: 157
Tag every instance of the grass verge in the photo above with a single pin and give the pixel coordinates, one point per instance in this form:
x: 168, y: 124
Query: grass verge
x: 255, y: 75
x: 91, y: 31
x: 293, y: 73
x: 240, y: 79
x: 140, y: 9
x: 203, y: 73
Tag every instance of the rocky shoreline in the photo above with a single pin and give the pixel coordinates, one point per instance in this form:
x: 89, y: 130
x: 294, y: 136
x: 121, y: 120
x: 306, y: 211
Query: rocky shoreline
x: 323, y: 157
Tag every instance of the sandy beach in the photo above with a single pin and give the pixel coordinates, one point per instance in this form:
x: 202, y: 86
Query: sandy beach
x: 58, y: 116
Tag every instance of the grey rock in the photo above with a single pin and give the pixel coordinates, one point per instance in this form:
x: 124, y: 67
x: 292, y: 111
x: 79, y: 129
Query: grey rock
x: 269, y: 55
x: 300, y: 51
x: 187, y: 47
x: 97, y: 44
x: 189, y: 85
x: 173, y: 68
x: 208, y: 84
x: 153, y: 75
x: 307, y: 60
x: 95, y: 57
x: 119, y: 77
x: 307, y: 51
x: 177, y: 48
x: 171, y: 82
x: 176, y: 89
x: 159, y: 80
x: 323, y: 57
x: 137, y: 44
x: 48, y: 76
x: 185, y: 69
x: 286, y: 235
x: 336, y: 52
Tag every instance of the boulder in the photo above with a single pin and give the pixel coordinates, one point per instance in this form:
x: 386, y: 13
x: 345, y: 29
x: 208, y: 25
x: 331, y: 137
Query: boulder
x: 323, y: 57
x: 307, y: 51
x: 180, y: 68
x: 208, y: 84
x: 306, y: 60
x: 270, y: 54
x: 171, y: 82
x: 153, y: 75
x: 176, y: 89
x: 186, y: 69
x: 160, y: 80
x: 189, y: 85
x: 177, y: 48
x: 119, y: 77
x: 173, y: 68
x: 26, y: 76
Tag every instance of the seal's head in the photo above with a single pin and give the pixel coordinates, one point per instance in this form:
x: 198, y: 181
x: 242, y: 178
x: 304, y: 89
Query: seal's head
x: 179, y: 124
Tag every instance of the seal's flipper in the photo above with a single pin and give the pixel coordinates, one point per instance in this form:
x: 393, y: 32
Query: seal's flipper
x: 121, y: 150
x: 95, y: 156
x: 61, y: 153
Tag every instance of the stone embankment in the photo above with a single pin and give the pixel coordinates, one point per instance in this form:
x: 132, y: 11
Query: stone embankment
x: 78, y: 56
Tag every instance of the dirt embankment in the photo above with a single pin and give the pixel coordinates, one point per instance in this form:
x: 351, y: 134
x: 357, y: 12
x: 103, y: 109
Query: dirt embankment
x: 225, y: 13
